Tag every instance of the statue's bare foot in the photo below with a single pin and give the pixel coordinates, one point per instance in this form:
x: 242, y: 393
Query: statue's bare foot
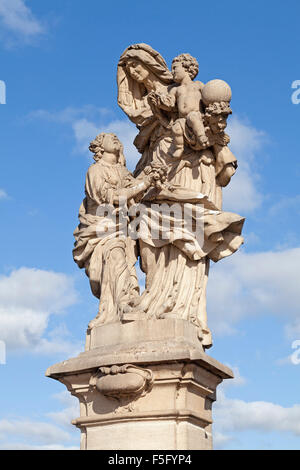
x: 203, y: 140
x: 95, y: 322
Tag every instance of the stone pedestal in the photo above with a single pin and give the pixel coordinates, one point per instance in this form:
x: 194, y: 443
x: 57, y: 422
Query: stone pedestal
x: 143, y: 385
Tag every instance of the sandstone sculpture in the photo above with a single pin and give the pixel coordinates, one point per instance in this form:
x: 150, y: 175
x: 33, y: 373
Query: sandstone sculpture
x: 169, y: 215
x: 101, y: 248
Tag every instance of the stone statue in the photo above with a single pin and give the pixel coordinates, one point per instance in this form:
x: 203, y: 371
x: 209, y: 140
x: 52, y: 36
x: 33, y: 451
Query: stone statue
x: 185, y: 98
x: 145, y: 380
x: 102, y: 247
x: 181, y: 126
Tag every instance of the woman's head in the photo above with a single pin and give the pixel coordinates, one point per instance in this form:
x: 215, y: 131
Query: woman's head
x: 140, y: 69
x: 137, y: 70
x: 107, y: 143
x: 147, y: 60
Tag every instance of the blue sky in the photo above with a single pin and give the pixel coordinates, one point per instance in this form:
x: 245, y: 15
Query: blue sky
x: 59, y: 61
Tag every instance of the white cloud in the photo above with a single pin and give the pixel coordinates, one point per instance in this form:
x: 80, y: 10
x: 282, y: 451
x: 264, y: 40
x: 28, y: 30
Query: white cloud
x: 288, y: 360
x: 26, y: 434
x: 87, y: 122
x: 3, y: 194
x: 70, y: 114
x: 237, y: 381
x: 220, y: 440
x: 41, y: 432
x: 17, y: 18
x: 18, y: 446
x: 242, y: 193
x: 251, y: 238
x: 65, y: 417
x: 59, y: 341
x: 126, y: 132
x: 37, y: 289
x: 232, y: 415
x: 286, y: 204
x: 252, y: 284
x: 28, y: 297
x: 86, y: 130
x: 70, y: 412
x: 245, y: 139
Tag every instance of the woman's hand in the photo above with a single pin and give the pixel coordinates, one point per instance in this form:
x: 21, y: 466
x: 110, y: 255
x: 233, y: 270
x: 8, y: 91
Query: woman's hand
x: 153, y: 98
x: 156, y: 175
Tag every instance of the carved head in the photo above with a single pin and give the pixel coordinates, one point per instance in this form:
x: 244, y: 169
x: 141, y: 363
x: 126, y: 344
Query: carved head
x: 144, y: 60
x: 216, y: 115
x: 139, y: 64
x: 107, y: 143
x: 137, y: 70
x: 182, y: 64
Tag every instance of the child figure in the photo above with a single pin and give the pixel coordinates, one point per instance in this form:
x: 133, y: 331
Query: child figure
x: 186, y: 98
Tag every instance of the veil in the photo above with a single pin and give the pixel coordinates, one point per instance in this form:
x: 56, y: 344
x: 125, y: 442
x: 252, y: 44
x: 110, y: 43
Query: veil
x: 131, y: 94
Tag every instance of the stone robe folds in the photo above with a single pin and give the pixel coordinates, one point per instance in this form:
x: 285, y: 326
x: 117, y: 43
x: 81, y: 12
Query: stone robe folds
x: 101, y: 246
x: 177, y: 269
x: 177, y: 266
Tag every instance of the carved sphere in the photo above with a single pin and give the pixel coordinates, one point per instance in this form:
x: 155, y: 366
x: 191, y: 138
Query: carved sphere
x: 216, y: 91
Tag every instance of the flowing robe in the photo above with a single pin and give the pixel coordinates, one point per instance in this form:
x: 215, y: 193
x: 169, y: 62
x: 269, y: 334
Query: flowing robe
x: 177, y: 267
x: 102, y: 247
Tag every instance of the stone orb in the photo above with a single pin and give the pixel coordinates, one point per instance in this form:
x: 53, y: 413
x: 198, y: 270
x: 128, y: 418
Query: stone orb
x: 216, y: 91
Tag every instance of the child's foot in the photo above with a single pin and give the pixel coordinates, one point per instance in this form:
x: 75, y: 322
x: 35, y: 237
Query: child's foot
x: 203, y: 140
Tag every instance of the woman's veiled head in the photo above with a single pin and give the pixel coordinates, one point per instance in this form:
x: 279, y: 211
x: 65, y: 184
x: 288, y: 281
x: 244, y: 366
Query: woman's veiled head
x: 148, y: 60
x: 137, y: 70
x: 140, y: 70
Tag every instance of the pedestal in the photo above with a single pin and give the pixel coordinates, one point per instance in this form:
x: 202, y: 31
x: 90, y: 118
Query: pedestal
x: 143, y: 385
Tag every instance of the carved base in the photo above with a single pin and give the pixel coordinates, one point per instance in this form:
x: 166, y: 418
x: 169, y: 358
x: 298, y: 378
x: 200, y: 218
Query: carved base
x: 137, y: 393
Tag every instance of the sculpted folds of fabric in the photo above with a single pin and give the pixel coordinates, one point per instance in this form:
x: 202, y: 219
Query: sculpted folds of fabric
x: 177, y: 184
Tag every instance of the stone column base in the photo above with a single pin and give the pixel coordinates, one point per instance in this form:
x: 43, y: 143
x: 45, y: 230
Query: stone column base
x: 143, y: 385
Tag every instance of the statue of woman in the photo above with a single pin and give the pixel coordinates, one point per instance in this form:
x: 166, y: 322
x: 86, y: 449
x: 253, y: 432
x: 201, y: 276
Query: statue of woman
x: 177, y: 267
x: 102, y: 245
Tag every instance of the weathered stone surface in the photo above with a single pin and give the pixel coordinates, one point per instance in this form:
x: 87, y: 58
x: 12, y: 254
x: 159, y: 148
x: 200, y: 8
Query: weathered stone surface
x: 154, y: 394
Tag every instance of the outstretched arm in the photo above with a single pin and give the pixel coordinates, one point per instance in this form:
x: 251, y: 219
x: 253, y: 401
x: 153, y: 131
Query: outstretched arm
x: 133, y: 192
x: 153, y: 176
x: 226, y: 164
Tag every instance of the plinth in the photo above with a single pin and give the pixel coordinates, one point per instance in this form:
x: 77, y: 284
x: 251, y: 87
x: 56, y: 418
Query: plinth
x: 145, y: 384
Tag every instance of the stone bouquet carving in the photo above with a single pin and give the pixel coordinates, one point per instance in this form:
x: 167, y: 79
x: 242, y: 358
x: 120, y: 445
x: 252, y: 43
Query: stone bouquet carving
x: 145, y: 380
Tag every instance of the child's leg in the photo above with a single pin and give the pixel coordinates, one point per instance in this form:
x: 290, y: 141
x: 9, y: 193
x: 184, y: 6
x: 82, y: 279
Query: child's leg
x: 194, y: 120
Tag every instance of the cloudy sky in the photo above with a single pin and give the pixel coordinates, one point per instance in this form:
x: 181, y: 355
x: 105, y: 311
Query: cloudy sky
x: 58, y: 62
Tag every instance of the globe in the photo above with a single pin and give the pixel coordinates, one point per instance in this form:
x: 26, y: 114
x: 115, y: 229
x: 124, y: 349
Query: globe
x: 216, y: 91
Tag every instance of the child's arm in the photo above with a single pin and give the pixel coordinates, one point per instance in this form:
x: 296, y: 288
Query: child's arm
x: 165, y: 101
